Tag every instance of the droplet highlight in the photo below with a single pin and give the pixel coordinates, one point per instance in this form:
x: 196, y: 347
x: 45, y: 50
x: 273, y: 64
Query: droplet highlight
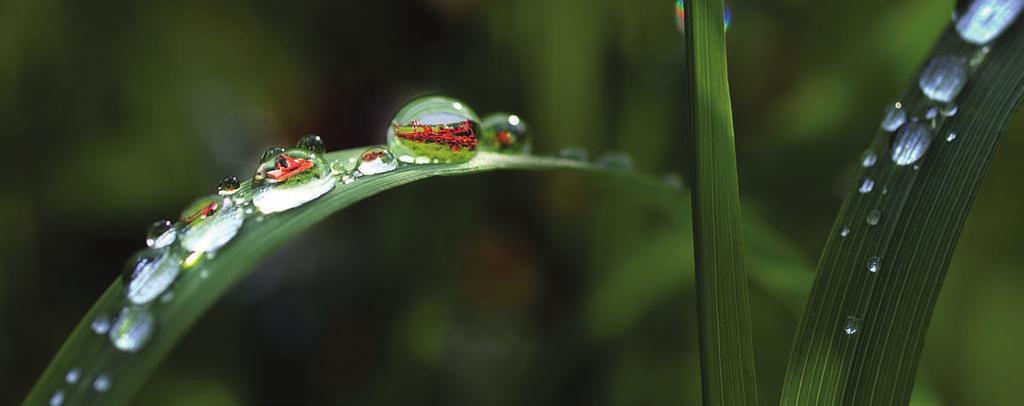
x: 852, y: 326
x: 844, y: 232
x: 984, y: 20
x: 893, y: 117
x: 101, y: 384
x: 873, y: 265
x: 942, y: 78
x: 951, y: 137
x: 101, y: 324
x: 73, y: 375
x: 290, y: 179
x: 133, y: 329
x: 58, y: 398
x: 870, y: 158
x: 434, y: 127
x: 911, y: 143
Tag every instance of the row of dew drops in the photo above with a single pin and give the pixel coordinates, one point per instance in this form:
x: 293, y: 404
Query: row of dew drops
x: 977, y: 22
x: 427, y: 130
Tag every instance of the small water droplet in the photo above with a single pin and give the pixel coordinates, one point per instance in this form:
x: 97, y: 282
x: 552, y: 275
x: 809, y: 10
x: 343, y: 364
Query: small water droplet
x: 575, y: 153
x: 844, y: 232
x: 228, y: 186
x: 615, y: 161
x: 101, y: 324
x: 133, y: 329
x: 979, y: 57
x: 434, y: 127
x: 160, y: 234
x: 983, y: 20
x: 505, y: 133
x: 312, y: 143
x: 852, y: 326
x: 873, y: 264
x: 885, y: 190
x: 73, y: 375
x: 874, y: 217
x: 866, y: 186
x: 209, y: 223
x: 270, y: 153
x: 58, y: 398
x: 376, y: 160
x: 102, y: 383
x: 911, y: 143
x: 949, y: 110
x: 943, y: 78
x: 290, y: 179
x: 894, y: 116
x: 951, y: 137
x: 870, y: 158
x: 150, y: 272
x: 932, y: 113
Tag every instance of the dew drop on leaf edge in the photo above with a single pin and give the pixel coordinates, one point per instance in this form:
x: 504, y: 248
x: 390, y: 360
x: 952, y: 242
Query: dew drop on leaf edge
x: 852, y: 326
x: 133, y: 329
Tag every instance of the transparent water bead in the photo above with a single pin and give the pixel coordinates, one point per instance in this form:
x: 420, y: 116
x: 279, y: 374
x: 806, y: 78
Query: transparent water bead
x: 874, y: 217
x: 150, y: 272
x: 615, y: 161
x: 852, y: 326
x: 73, y: 375
x: 949, y: 110
x: 951, y: 137
x: 932, y: 113
x: 101, y: 324
x: 209, y: 223
x: 984, y: 20
x: 160, y: 234
x: 681, y: 16
x: 312, y: 143
x: 873, y: 265
x: 58, y: 398
x: 505, y: 133
x: 575, y: 153
x: 893, y: 117
x: 844, y: 232
x: 271, y: 153
x: 870, y: 158
x: 866, y: 186
x: 434, y: 128
x: 228, y: 186
x: 376, y: 160
x: 101, y: 384
x: 133, y: 329
x: 290, y: 179
x: 911, y: 143
x: 943, y: 78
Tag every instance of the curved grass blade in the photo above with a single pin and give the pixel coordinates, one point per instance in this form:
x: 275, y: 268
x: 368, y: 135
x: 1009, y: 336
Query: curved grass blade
x: 723, y: 304
x: 199, y: 287
x: 920, y: 211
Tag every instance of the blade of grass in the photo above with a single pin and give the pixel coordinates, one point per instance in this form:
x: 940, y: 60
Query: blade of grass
x: 195, y: 293
x: 727, y: 354
x: 923, y: 210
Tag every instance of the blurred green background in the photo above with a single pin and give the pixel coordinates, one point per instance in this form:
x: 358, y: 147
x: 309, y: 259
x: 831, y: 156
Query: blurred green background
x: 532, y: 288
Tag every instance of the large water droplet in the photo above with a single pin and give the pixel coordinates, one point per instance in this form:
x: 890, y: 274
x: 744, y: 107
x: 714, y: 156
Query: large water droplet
x: 866, y: 186
x: 160, y: 234
x: 911, y: 143
x: 852, y: 326
x: 228, y: 186
x: 376, y: 160
x: 73, y: 375
x: 575, y: 153
x: 615, y: 161
x: 58, y: 398
x: 290, y: 179
x: 209, y: 223
x: 101, y: 324
x: 434, y: 127
x: 681, y: 16
x: 312, y: 143
x: 874, y: 216
x: 102, y: 383
x: 870, y: 158
x: 873, y: 265
x: 505, y: 133
x: 133, y: 329
x: 943, y: 78
x: 894, y: 116
x: 983, y: 20
x: 149, y: 272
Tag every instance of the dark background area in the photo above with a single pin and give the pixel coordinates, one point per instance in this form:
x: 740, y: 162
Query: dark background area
x: 507, y: 288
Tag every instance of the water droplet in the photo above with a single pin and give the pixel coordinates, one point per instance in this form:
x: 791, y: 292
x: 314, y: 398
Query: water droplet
x: 932, y: 113
x: 852, y: 326
x: 869, y: 159
x: 209, y: 223
x: 893, y: 117
x: 951, y: 137
x: 434, y: 127
x: 228, y: 186
x: 844, y: 232
x: 681, y: 16
x: 874, y: 217
x: 160, y: 234
x: 615, y: 161
x: 942, y: 79
x: 505, y: 133
x: 376, y: 160
x: 133, y: 329
x: 866, y: 186
x: 338, y: 168
x: 911, y: 143
x: 885, y: 190
x: 58, y: 398
x: 983, y: 20
x: 290, y: 179
x: 575, y: 153
x: 979, y: 57
x: 149, y: 272
x: 949, y: 110
x: 102, y: 383
x: 270, y: 153
x: 101, y: 324
x: 312, y: 143
x: 873, y: 264
x: 73, y: 375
